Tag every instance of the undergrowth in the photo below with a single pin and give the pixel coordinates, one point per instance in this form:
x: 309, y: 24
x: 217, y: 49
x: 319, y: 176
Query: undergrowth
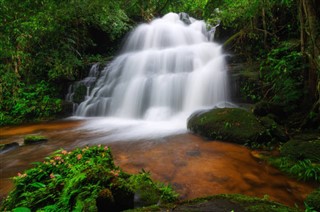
x: 302, y: 169
x: 83, y: 180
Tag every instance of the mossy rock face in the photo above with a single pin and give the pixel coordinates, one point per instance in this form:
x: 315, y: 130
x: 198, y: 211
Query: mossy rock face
x: 80, y: 93
x: 313, y: 200
x: 223, y: 203
x: 301, y: 149
x: 228, y: 124
x: 34, y: 139
x: 5, y: 147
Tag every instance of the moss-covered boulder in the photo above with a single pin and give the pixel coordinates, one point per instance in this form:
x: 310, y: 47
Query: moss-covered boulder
x: 302, y: 149
x: 34, y: 139
x: 313, y: 200
x: 231, y: 124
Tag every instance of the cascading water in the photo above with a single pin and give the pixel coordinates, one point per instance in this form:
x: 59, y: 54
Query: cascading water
x: 168, y: 69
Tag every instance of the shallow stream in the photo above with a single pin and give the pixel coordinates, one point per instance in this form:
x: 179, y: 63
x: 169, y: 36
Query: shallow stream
x: 193, y: 166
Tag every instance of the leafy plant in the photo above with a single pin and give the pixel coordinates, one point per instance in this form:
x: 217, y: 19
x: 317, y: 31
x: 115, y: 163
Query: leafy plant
x: 304, y: 169
x: 282, y: 74
x: 84, y: 180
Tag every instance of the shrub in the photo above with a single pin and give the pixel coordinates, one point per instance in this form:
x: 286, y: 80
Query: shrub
x: 313, y: 200
x: 83, y: 180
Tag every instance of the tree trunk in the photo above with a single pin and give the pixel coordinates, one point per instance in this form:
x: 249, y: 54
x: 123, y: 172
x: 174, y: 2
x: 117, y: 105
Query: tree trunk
x: 264, y: 25
x: 312, y: 45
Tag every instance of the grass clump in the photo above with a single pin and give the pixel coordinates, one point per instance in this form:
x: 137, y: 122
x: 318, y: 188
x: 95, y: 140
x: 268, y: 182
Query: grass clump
x: 304, y: 170
x: 81, y: 180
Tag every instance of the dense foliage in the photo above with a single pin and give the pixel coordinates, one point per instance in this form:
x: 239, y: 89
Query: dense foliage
x: 45, y: 44
x: 83, y: 180
x: 281, y: 39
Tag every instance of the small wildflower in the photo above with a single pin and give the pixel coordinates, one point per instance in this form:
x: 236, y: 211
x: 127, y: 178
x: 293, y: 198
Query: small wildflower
x: 79, y: 156
x: 99, y: 145
x: 52, y: 176
x: 115, y: 173
x: 106, y: 148
x: 57, y: 158
x: 64, y: 152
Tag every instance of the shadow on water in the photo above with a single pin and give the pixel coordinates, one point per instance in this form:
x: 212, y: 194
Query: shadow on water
x: 193, y: 166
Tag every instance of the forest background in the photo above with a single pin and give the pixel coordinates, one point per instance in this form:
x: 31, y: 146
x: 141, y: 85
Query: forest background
x: 45, y: 45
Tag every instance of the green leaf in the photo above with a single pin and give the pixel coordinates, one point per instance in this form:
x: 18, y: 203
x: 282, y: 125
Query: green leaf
x: 21, y: 209
x: 38, y: 185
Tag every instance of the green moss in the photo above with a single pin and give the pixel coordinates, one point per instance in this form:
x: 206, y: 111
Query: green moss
x: 301, y: 149
x: 223, y: 202
x: 32, y: 139
x: 313, y: 200
x: 228, y: 124
x: 80, y: 93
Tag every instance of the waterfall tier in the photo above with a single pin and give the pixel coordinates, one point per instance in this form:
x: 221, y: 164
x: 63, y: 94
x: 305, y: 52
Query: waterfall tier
x: 167, y: 67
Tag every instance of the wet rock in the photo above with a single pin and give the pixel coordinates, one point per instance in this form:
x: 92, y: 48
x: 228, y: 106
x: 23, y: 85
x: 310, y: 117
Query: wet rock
x: 9, y: 146
x: 184, y: 17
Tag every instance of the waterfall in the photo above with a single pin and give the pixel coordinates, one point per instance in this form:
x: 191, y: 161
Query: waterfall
x: 168, y: 68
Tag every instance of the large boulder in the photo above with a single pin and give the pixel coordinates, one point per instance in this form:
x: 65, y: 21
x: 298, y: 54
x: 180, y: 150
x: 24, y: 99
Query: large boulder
x: 298, y: 149
x: 234, y: 125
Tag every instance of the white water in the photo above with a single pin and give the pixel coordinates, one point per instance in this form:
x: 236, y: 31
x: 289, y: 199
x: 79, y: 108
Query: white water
x: 167, y: 70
